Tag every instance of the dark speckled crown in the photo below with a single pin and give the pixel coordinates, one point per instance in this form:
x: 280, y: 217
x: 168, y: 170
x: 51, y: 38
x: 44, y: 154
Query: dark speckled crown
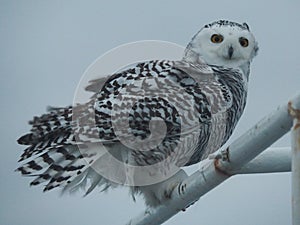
x: 220, y: 23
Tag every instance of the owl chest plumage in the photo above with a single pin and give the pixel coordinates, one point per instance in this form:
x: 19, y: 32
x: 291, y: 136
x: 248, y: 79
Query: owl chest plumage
x: 163, y: 110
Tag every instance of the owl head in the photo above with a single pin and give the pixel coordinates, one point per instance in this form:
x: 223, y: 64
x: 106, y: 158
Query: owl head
x: 224, y: 43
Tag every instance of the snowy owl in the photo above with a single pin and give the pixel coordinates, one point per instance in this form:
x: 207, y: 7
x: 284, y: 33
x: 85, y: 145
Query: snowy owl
x: 154, y: 116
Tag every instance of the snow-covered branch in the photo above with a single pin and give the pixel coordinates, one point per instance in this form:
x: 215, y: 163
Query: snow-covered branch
x: 234, y: 160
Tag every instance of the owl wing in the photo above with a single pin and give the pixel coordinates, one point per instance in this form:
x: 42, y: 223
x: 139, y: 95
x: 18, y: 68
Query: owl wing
x: 129, y: 108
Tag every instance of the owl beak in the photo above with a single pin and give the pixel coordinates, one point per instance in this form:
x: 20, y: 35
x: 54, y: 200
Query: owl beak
x: 230, y: 52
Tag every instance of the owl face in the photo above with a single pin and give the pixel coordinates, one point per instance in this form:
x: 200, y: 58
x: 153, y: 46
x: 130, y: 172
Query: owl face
x: 225, y: 43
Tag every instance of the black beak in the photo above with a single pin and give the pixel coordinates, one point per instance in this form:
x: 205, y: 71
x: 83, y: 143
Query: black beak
x: 230, y: 52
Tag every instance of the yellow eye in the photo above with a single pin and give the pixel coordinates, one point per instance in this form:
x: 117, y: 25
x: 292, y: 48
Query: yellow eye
x: 244, y: 42
x: 216, y: 38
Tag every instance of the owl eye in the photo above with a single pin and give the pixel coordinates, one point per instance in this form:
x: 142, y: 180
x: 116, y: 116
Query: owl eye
x: 244, y: 42
x: 216, y: 38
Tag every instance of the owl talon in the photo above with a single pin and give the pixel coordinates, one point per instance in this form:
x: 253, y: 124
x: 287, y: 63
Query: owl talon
x: 222, y: 154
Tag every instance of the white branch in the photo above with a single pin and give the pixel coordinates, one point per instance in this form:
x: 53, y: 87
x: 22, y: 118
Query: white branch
x: 214, y: 172
x: 272, y: 160
x: 295, y: 113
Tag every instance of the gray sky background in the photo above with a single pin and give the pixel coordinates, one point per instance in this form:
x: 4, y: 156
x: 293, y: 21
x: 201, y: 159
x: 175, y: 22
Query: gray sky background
x: 45, y: 46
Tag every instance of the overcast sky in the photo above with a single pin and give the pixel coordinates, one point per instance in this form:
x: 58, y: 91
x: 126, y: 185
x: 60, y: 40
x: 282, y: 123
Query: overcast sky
x: 45, y: 46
